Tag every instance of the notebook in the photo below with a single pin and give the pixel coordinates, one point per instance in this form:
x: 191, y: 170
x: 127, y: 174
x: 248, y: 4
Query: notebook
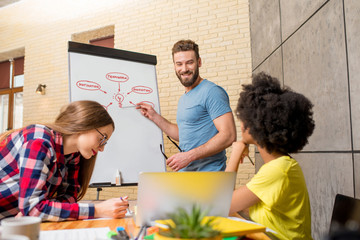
x: 75, y: 234
x: 161, y: 193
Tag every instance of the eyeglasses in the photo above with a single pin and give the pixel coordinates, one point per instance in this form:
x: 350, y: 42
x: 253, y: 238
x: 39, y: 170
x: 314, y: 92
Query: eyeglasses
x: 174, y: 143
x: 104, y: 139
x: 161, y: 148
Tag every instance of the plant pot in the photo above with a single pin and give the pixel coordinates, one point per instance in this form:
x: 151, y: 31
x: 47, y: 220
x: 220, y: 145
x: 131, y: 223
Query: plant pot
x: 158, y: 236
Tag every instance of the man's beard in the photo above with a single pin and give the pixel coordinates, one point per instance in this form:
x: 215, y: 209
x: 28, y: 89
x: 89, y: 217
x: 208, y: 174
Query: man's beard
x: 190, y: 82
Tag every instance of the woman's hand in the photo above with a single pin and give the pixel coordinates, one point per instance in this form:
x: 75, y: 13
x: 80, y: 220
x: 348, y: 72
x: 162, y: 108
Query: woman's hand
x: 114, y: 208
x: 239, y: 151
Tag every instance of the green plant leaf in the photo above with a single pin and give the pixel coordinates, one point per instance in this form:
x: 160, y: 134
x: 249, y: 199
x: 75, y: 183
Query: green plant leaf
x: 190, y: 225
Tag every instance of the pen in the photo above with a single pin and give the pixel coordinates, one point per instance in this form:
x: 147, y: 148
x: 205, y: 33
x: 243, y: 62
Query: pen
x: 130, y: 106
x: 127, y: 209
x: 141, y: 230
x: 122, y: 233
x: 247, y: 146
x: 163, y: 152
x: 251, y: 160
x: 113, y: 235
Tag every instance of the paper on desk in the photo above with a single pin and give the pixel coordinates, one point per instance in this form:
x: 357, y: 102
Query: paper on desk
x: 76, y: 234
x: 243, y: 220
x: 128, y: 214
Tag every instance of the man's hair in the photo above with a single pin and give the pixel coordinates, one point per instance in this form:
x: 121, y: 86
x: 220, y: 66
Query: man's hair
x: 278, y: 119
x: 186, y: 45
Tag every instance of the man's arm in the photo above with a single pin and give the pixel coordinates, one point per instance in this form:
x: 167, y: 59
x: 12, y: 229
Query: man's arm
x: 224, y: 138
x: 166, y: 126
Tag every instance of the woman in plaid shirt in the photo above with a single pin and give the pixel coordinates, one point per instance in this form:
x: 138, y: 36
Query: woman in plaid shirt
x: 45, y: 169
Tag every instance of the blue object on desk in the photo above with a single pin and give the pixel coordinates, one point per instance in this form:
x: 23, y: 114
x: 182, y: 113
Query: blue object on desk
x: 121, y: 232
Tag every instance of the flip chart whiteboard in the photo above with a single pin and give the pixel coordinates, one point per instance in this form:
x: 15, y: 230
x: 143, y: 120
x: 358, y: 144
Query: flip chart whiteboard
x: 119, y: 80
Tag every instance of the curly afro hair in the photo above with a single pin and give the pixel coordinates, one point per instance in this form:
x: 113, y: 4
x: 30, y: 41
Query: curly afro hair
x: 278, y: 119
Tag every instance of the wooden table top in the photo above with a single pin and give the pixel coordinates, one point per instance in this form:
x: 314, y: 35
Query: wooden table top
x: 128, y: 223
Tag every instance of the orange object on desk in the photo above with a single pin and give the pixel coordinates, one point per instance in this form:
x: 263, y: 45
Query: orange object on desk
x: 152, y: 230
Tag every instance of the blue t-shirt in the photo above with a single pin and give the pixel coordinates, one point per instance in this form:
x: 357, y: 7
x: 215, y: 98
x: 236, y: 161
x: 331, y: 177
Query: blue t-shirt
x: 195, y: 114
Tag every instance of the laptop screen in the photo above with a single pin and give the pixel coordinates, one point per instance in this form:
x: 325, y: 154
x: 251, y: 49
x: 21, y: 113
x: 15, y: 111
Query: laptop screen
x: 161, y: 193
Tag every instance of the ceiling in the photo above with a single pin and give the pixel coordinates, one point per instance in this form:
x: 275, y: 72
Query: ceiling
x: 4, y: 3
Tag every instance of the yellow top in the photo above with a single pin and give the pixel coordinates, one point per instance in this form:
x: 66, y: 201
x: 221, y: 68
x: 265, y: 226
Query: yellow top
x: 285, y: 205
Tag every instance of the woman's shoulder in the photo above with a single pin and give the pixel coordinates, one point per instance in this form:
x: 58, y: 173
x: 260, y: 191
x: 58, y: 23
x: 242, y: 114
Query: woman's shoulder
x: 38, y: 131
x: 284, y: 165
x: 37, y: 128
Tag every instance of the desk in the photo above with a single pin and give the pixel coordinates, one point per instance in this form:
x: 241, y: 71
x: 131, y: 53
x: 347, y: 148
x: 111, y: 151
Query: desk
x: 127, y: 222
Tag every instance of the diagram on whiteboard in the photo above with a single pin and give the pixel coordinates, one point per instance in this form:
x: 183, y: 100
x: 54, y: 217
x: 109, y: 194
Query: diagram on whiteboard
x: 119, y: 95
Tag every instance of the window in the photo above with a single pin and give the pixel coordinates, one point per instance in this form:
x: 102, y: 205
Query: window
x: 11, y: 94
x: 103, y: 42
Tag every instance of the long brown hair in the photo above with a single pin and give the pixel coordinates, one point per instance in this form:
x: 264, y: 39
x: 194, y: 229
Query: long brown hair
x: 78, y: 117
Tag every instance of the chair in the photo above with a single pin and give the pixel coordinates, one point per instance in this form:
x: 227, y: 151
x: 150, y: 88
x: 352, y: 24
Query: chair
x: 344, y: 235
x: 345, y: 220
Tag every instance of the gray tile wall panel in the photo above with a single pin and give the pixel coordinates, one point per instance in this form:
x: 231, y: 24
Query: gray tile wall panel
x: 264, y: 29
x: 352, y: 19
x: 326, y: 175
x: 314, y: 62
x: 295, y: 13
x: 272, y: 65
x: 357, y: 174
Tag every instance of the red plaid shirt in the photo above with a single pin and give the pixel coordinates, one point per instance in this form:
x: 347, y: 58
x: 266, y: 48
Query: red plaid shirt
x: 37, y: 179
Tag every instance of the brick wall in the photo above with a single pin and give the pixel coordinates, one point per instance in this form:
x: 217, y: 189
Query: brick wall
x: 43, y: 28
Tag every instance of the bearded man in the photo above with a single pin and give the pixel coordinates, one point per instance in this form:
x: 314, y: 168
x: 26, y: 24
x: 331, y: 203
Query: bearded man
x: 205, y: 123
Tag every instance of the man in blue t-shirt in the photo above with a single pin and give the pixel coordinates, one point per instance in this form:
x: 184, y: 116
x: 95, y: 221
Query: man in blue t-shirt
x: 205, y: 123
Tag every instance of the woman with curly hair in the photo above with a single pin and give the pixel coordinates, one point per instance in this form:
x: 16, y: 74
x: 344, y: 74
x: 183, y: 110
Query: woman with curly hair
x: 46, y: 169
x: 278, y: 121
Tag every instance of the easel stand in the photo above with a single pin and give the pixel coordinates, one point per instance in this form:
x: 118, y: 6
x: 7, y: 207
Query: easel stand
x: 99, y: 187
x: 98, y: 192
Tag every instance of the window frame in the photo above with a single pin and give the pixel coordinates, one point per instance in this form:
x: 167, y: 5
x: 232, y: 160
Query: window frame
x: 11, y: 92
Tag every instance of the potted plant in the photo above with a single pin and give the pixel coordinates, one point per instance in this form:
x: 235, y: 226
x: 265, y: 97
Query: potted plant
x: 192, y: 225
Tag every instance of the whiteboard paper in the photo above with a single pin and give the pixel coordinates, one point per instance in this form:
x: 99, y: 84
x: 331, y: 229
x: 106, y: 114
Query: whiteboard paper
x: 119, y: 84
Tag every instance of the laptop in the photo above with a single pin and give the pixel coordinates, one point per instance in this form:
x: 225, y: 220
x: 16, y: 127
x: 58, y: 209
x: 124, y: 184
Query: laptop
x: 161, y: 193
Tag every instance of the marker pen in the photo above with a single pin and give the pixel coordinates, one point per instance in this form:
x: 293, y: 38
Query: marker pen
x: 122, y: 233
x: 127, y: 209
x: 113, y: 236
